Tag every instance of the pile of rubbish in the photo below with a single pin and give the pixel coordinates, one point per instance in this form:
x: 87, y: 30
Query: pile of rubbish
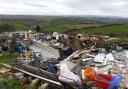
x: 104, y: 70
x: 82, y: 68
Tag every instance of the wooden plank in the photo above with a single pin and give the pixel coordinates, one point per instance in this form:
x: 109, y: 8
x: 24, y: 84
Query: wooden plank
x: 33, y: 75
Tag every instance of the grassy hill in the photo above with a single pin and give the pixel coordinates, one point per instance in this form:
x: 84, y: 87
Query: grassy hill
x: 12, y: 26
x: 65, y: 24
x: 98, y: 25
x: 119, y: 30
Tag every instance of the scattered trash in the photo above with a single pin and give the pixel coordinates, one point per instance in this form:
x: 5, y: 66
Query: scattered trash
x: 67, y: 76
x: 78, y: 64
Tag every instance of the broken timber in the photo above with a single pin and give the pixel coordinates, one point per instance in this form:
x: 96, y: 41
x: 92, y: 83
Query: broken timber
x: 40, y: 72
x: 34, y: 75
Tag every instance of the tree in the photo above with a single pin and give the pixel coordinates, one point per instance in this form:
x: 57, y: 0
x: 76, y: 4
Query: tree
x: 7, y: 28
x: 38, y: 29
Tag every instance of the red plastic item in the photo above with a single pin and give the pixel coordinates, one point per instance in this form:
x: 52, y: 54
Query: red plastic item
x: 103, y: 84
x: 105, y: 76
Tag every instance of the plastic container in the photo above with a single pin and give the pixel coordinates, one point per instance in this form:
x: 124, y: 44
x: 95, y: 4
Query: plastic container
x: 101, y: 83
x: 90, y: 73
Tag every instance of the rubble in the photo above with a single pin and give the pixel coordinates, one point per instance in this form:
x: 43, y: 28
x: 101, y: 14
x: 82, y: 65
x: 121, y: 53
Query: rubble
x: 44, y: 86
x: 80, y: 65
x: 4, y: 70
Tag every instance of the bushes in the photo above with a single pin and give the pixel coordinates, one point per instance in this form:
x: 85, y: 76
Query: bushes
x: 7, y: 28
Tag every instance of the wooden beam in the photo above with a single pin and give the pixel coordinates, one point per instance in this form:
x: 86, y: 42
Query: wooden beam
x: 33, y: 75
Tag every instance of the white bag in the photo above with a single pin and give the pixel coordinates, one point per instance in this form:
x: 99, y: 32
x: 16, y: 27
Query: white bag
x: 100, y: 57
x: 67, y: 76
x: 110, y: 57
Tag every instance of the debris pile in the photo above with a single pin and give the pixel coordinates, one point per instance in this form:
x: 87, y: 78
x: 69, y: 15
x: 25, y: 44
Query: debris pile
x: 77, y: 65
x: 101, y: 70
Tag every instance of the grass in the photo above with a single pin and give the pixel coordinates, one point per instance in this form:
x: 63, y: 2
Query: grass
x: 75, y: 26
x: 20, y: 26
x: 112, y: 30
x: 7, y: 58
x: 11, y: 84
x: 63, y: 25
x: 15, y: 25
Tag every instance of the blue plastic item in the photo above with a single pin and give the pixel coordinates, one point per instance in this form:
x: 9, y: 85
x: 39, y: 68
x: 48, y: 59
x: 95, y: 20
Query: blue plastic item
x: 20, y: 49
x: 115, y: 82
x: 53, y: 69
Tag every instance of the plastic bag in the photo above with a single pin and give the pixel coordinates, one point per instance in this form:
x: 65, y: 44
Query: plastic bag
x: 109, y: 57
x: 120, y: 56
x: 100, y: 57
x: 67, y: 76
x: 115, y: 82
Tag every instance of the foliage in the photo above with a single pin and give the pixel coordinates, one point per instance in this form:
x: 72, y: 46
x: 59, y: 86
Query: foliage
x: 38, y: 29
x: 11, y: 84
x: 73, y: 25
x: 7, y: 27
x: 13, y: 26
x: 7, y: 58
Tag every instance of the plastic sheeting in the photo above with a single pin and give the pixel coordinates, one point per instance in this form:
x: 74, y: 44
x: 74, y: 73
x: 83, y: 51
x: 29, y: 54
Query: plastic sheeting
x: 100, y: 57
x: 109, y: 57
x: 67, y: 76
x: 115, y: 82
x: 121, y: 55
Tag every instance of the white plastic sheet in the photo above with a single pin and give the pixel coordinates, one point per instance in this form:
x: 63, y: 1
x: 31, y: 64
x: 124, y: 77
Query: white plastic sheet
x: 67, y: 76
x: 121, y: 55
x: 100, y: 57
x: 109, y: 57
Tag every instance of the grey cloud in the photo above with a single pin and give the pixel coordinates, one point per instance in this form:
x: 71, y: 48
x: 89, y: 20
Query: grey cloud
x: 69, y: 7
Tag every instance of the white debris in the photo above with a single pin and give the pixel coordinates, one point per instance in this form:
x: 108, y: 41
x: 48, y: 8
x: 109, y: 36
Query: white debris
x: 100, y: 58
x: 67, y: 76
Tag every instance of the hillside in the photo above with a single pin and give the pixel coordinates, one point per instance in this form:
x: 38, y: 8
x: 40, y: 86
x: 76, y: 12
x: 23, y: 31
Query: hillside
x: 119, y: 30
x: 13, y: 26
x: 65, y: 24
x: 113, y: 26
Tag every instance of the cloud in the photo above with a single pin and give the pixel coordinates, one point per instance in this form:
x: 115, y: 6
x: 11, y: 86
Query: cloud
x: 65, y: 7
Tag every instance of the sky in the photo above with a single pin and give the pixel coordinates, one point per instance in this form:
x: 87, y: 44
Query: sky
x: 65, y: 7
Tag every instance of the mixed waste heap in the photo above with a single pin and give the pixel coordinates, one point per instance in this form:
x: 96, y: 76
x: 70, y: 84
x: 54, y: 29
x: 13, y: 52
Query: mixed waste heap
x: 80, y: 64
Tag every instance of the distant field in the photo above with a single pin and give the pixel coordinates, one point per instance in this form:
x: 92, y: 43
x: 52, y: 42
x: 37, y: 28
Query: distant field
x: 65, y: 25
x: 112, y: 30
x: 80, y: 26
x: 12, y: 26
x: 21, y: 26
x: 61, y: 25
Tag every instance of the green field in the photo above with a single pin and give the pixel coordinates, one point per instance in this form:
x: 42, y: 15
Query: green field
x: 63, y: 25
x: 6, y: 58
x: 112, y: 30
x: 13, y: 26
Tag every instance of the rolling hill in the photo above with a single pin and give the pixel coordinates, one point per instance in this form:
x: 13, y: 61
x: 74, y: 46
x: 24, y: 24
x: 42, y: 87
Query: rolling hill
x: 113, y: 26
